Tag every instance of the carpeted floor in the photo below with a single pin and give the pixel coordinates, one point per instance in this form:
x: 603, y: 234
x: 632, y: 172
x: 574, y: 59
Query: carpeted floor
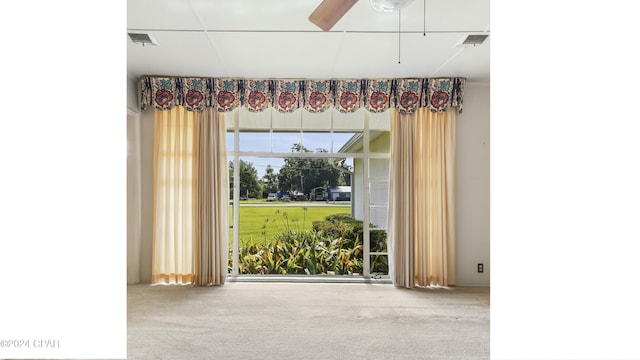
x: 247, y: 320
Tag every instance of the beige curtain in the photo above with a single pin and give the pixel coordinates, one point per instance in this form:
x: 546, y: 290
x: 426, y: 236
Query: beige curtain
x: 422, y: 198
x: 173, y: 232
x: 190, y: 230
x: 211, y: 205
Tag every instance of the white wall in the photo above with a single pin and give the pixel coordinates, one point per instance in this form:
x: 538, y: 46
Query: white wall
x: 472, y: 186
x: 472, y: 202
x: 378, y: 167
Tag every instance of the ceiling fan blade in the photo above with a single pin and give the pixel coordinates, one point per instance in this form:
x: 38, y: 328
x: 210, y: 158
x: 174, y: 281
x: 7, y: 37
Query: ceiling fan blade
x: 329, y: 12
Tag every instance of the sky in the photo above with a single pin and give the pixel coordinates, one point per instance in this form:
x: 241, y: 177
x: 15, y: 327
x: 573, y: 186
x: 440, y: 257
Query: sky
x: 282, y: 142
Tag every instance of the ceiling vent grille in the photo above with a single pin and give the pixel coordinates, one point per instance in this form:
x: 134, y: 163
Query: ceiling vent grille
x: 143, y: 39
x: 473, y: 40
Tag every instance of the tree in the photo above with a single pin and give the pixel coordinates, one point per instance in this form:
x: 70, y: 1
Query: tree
x: 304, y: 174
x: 346, y: 175
x: 270, y: 180
x: 249, y: 184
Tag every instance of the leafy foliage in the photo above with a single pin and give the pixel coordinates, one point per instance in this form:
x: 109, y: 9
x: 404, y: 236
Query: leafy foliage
x: 270, y: 180
x: 333, y: 246
x: 304, y: 174
x: 296, y: 251
x: 351, y: 228
x: 249, y: 184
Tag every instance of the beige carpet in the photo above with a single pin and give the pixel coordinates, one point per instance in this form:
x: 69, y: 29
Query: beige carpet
x: 265, y: 320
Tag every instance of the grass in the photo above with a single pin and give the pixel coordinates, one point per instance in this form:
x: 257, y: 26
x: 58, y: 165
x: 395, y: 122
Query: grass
x: 250, y: 201
x: 264, y: 222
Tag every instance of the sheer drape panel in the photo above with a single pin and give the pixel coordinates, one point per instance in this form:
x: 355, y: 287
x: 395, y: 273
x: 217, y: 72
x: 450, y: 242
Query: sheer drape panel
x: 422, y: 198
x: 211, y: 203
x: 401, y: 203
x: 172, y: 256
x: 435, y: 208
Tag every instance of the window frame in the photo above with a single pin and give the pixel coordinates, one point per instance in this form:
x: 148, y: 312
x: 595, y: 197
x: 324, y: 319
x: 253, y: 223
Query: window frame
x: 232, y: 120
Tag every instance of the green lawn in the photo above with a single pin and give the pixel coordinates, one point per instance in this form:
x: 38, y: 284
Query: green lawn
x: 263, y: 222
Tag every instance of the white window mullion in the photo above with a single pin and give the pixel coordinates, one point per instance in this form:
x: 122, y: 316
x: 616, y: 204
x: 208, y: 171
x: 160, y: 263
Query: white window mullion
x: 366, y: 258
x: 236, y: 193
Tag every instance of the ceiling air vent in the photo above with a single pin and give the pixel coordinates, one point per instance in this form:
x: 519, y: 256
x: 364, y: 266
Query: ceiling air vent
x: 143, y: 39
x: 473, y: 40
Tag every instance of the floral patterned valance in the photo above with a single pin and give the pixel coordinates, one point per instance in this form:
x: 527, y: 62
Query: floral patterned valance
x: 315, y: 96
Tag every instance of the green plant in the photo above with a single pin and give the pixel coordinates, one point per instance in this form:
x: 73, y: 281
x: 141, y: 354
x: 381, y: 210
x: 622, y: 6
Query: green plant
x: 333, y: 246
x: 345, y: 226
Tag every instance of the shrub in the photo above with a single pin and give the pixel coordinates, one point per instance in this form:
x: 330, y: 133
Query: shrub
x: 307, y: 252
x: 343, y: 225
x: 333, y: 246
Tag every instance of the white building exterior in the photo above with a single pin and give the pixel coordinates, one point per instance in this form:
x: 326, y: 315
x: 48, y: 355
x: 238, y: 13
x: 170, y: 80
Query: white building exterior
x: 378, y: 178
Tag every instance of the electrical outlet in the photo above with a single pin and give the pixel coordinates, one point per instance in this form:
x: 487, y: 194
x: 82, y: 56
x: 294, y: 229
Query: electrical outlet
x: 480, y: 268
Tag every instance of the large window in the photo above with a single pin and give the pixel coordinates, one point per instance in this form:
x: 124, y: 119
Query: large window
x: 309, y: 192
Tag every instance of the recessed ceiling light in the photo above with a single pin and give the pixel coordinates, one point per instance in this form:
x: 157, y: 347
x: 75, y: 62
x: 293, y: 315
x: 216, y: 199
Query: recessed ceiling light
x: 143, y: 39
x: 473, y: 40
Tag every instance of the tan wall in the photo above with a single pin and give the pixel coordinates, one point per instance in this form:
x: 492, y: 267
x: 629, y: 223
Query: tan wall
x: 472, y: 186
x: 134, y: 185
x: 146, y: 195
x: 134, y: 200
x: 139, y: 188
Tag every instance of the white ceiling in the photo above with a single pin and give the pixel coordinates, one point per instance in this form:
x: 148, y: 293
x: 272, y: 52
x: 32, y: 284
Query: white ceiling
x: 274, y: 39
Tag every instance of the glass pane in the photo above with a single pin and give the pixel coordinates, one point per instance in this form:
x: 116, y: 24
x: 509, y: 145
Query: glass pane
x: 379, y: 193
x: 230, y: 143
x: 254, y: 141
x: 378, y: 216
x: 378, y: 240
x: 379, y: 121
x: 346, y: 174
x: 379, y: 168
x: 354, y: 120
x: 284, y: 141
x: 339, y: 193
x: 266, y: 170
x: 346, y: 142
x: 295, y: 236
x: 380, y: 142
x: 379, y: 265
x: 230, y: 173
x: 286, y: 120
x: 316, y: 140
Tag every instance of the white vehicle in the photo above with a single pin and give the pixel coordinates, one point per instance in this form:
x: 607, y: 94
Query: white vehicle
x: 271, y: 197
